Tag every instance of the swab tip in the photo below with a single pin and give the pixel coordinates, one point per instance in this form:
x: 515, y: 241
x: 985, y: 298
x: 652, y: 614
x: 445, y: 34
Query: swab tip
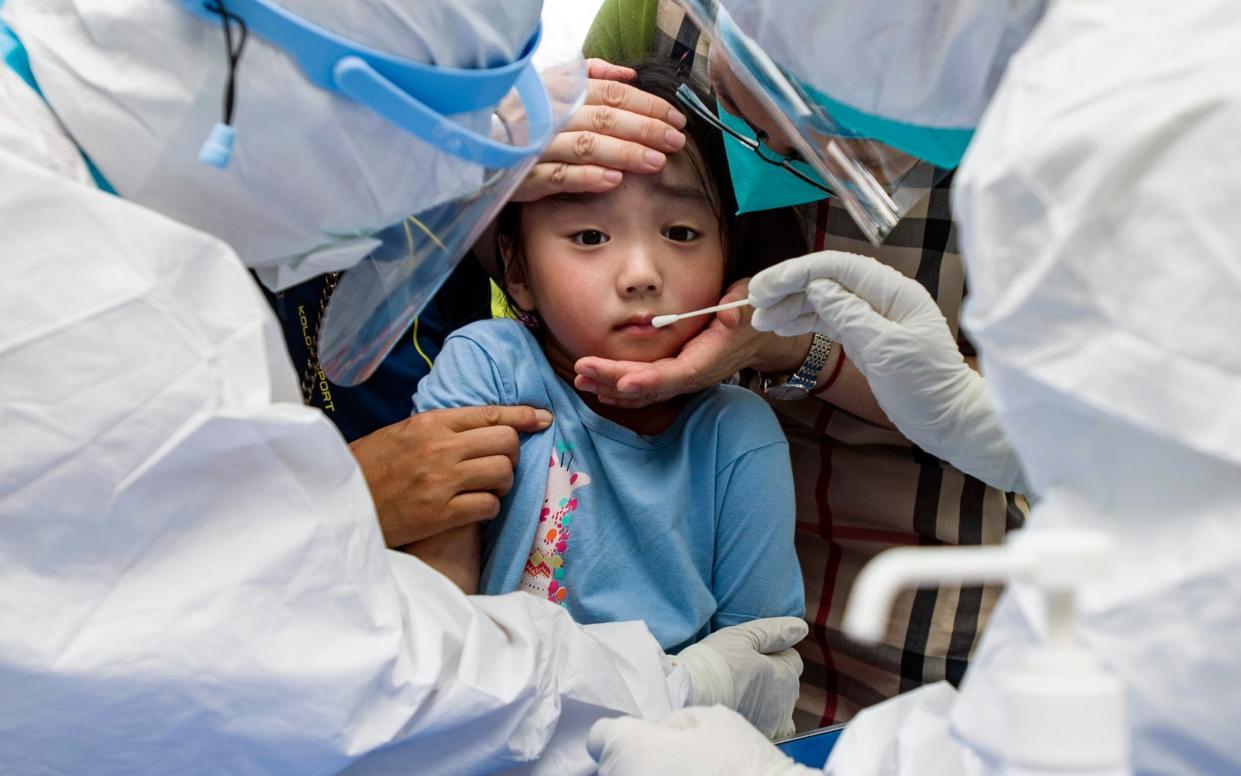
x: 660, y: 321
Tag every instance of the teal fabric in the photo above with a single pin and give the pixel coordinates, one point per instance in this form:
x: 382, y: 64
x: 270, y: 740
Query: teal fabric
x: 759, y: 185
x: 690, y: 530
x: 14, y: 54
x: 941, y: 147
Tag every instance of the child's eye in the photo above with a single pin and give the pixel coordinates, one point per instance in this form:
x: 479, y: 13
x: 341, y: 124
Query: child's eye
x: 681, y: 234
x: 590, y: 237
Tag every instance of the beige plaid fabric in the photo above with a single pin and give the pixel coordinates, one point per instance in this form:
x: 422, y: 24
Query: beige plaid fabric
x: 862, y: 489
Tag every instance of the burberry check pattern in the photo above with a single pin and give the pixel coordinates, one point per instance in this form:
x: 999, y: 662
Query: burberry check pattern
x: 862, y: 489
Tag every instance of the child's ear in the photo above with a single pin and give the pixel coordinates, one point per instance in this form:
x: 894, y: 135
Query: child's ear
x: 514, y: 278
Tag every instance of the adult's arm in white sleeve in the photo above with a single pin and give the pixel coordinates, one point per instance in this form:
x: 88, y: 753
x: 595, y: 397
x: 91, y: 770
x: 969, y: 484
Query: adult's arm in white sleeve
x: 192, y: 571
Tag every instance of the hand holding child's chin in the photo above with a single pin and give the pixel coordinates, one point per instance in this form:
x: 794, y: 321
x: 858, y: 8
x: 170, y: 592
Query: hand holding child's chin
x: 727, y: 345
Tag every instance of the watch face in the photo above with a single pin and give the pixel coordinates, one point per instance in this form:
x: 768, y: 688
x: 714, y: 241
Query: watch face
x: 786, y: 392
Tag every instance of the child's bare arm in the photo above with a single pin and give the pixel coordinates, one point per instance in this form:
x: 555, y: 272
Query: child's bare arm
x: 457, y: 554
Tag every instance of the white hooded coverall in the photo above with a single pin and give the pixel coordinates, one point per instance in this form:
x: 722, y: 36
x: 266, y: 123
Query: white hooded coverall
x: 1098, y: 209
x: 192, y: 576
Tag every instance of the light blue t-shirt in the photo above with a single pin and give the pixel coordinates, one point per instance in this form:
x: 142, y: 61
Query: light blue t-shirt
x: 690, y: 530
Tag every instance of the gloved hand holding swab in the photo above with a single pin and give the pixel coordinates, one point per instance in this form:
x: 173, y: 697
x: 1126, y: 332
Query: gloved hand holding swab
x: 659, y: 321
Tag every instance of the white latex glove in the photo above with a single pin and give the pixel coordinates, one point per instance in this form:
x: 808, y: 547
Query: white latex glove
x: 688, y: 742
x: 750, y: 667
x: 898, y: 338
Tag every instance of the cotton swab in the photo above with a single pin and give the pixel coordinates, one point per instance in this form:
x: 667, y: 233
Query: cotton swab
x: 659, y: 321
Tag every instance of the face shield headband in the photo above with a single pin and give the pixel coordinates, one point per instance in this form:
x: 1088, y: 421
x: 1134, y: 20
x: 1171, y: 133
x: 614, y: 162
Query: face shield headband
x: 417, y: 97
x: 374, y: 302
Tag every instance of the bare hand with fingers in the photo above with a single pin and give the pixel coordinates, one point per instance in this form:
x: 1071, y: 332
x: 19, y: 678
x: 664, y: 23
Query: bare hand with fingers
x: 620, y: 129
x: 443, y: 469
x: 728, y: 344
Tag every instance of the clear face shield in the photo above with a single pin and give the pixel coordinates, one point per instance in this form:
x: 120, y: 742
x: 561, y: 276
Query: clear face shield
x: 874, y: 181
x: 376, y: 300
x: 457, y: 142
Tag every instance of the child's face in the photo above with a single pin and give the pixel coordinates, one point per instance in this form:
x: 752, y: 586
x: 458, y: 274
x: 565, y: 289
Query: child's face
x: 600, y: 266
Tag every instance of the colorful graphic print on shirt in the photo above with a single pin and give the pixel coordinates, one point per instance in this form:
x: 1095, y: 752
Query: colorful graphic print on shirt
x: 544, y: 572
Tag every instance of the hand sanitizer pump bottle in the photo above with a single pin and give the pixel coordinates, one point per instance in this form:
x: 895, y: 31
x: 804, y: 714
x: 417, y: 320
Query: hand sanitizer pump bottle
x: 1063, y: 712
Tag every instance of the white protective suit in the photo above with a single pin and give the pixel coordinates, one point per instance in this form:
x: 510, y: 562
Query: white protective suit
x: 192, y: 577
x: 1097, y: 207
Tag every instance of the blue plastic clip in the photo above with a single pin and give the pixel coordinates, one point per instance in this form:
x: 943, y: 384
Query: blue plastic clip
x: 217, y: 149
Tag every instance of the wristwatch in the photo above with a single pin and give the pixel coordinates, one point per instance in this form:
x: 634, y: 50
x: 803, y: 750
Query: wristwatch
x: 799, y: 384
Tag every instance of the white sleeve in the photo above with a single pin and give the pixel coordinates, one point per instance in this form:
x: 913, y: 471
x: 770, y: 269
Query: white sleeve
x: 193, y: 575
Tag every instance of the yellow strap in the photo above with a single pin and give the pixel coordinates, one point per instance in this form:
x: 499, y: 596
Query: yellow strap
x: 418, y: 347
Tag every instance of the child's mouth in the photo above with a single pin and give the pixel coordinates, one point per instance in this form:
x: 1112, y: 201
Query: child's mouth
x: 637, y: 326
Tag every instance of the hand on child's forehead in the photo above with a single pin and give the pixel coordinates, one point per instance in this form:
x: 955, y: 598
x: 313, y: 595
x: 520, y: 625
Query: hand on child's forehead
x: 677, y: 181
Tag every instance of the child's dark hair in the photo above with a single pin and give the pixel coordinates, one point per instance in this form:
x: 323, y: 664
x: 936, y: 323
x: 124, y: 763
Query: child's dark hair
x: 751, y: 242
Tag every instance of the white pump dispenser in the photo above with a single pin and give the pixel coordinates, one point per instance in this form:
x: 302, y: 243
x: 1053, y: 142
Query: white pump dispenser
x: 1063, y: 712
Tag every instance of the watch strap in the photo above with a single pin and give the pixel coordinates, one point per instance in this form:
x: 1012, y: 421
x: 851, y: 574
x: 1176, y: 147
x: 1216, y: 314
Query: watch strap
x: 802, y: 382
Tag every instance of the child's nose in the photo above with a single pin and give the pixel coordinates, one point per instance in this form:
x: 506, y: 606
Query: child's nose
x: 640, y: 275
x: 649, y: 287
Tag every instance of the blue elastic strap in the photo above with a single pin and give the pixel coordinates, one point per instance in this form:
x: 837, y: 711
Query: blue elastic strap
x: 416, y: 97
x: 15, y: 57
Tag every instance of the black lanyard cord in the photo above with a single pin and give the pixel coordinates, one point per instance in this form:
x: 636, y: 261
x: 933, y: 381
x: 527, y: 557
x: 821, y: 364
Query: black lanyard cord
x: 227, y: 20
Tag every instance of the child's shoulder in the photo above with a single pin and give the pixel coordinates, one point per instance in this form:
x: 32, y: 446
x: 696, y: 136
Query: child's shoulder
x: 498, y: 337
x: 740, y: 418
x: 485, y: 362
